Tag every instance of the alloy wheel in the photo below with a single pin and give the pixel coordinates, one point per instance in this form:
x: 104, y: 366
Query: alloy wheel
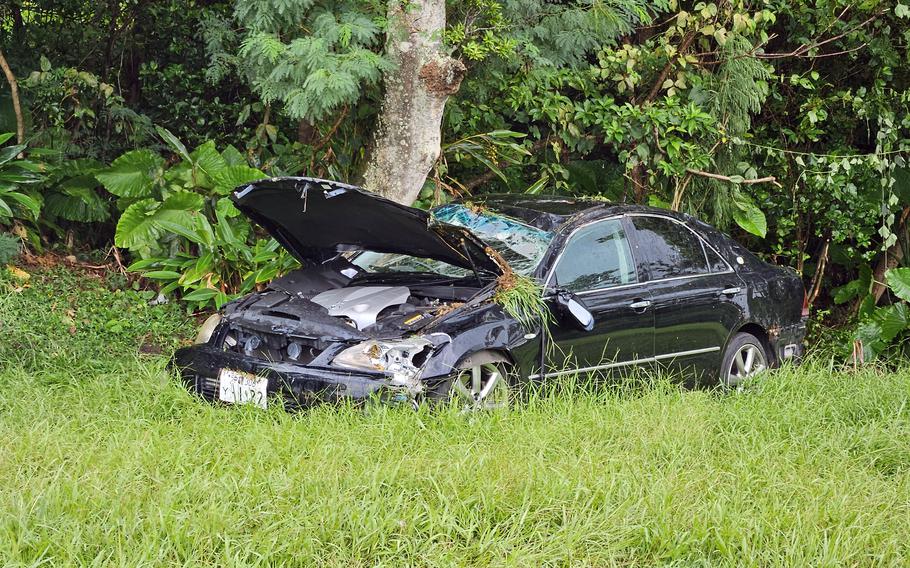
x: 483, y: 387
x: 748, y: 362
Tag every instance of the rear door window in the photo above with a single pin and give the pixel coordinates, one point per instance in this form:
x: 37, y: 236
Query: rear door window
x: 715, y: 262
x: 671, y: 250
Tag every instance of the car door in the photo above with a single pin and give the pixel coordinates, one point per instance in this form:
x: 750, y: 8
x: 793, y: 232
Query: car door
x: 697, y: 298
x: 598, y: 267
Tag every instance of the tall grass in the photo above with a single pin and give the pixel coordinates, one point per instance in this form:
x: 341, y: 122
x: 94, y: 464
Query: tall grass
x: 111, y: 463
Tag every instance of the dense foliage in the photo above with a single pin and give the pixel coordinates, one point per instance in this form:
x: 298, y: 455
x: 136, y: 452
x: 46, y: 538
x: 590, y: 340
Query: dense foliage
x: 785, y: 123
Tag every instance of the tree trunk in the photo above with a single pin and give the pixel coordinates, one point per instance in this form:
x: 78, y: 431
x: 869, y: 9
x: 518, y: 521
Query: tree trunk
x: 406, y: 143
x: 14, y: 91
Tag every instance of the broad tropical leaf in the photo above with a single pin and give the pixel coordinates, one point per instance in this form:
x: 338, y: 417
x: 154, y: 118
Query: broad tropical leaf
x: 207, y: 159
x: 233, y: 157
x: 136, y: 227
x: 133, y: 174
x: 75, y: 203
x: 228, y: 179
x: 185, y: 200
x: 748, y: 216
x: 854, y: 288
x: 879, y: 329
x: 898, y: 280
x: 144, y: 221
x: 72, y: 192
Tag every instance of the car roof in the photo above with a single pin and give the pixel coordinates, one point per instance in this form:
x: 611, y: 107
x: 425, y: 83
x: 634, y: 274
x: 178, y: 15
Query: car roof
x: 551, y: 212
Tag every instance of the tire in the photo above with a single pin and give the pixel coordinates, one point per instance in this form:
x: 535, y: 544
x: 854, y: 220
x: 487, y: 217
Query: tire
x: 470, y: 388
x: 745, y: 358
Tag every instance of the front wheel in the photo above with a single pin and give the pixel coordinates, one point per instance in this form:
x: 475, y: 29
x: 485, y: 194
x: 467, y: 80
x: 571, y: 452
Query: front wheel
x: 478, y: 387
x: 744, y: 358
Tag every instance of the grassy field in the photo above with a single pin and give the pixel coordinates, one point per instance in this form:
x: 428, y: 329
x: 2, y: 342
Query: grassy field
x: 104, y: 460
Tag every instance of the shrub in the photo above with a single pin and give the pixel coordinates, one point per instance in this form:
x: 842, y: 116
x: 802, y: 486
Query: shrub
x: 10, y: 245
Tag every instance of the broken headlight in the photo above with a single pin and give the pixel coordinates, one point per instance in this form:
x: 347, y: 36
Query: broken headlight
x: 401, y: 357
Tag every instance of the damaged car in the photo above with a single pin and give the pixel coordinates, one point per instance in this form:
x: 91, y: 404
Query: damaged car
x: 398, y: 304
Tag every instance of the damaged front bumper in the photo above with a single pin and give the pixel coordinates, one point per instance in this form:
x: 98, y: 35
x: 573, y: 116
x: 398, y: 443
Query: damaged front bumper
x: 298, y: 386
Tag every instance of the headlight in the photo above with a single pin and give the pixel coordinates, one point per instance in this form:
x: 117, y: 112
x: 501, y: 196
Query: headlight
x: 208, y: 328
x: 401, y: 357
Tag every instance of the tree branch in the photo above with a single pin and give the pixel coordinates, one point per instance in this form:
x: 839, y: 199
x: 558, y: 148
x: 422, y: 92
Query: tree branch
x: 14, y: 90
x: 766, y: 179
x: 683, y: 46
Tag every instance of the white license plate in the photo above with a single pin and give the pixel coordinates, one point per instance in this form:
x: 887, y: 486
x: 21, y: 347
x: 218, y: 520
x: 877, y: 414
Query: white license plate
x: 238, y: 387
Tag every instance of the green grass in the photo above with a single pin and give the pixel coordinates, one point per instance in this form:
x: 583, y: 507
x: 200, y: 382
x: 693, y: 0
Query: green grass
x: 104, y: 460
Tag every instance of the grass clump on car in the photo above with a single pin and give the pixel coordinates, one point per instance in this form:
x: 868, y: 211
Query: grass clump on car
x: 522, y: 298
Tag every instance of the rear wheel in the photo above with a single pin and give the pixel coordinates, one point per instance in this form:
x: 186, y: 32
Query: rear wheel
x: 744, y: 359
x: 478, y: 387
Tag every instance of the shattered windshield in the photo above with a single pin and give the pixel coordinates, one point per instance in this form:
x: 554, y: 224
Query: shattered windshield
x: 521, y: 245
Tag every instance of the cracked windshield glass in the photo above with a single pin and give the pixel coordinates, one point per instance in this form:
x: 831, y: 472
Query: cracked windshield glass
x: 521, y: 245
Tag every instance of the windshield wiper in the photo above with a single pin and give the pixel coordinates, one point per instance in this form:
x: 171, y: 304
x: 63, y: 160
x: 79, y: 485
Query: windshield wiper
x: 470, y: 258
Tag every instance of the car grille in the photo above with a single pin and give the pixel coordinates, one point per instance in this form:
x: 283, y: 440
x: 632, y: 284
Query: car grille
x: 270, y: 347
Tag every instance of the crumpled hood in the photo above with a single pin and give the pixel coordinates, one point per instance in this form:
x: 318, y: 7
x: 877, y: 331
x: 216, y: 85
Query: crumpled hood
x: 316, y: 219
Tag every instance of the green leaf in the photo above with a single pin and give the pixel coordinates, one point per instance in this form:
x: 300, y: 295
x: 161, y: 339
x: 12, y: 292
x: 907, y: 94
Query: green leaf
x: 225, y: 208
x: 221, y: 299
x: 847, y: 292
x: 185, y: 230
x: 186, y: 200
x: 881, y: 327
x: 538, y: 185
x: 10, y: 152
x: 233, y: 157
x: 6, y: 136
x: 207, y: 159
x: 26, y: 201
x: 232, y: 177
x: 898, y: 280
x: 748, y: 216
x: 143, y: 222
x: 141, y: 264
x: 174, y: 143
x: 74, y: 201
x: 161, y: 274
x: 133, y: 174
x: 5, y: 210
x: 201, y: 295
x: 136, y: 227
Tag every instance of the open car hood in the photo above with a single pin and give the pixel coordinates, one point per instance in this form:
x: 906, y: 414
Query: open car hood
x: 315, y: 219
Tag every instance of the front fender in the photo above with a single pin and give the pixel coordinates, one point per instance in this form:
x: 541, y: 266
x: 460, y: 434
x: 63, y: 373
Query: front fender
x: 500, y: 336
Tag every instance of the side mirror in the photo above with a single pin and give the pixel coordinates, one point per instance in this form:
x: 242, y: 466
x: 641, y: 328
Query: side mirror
x: 569, y: 304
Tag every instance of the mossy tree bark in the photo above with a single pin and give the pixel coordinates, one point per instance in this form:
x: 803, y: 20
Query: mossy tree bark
x: 407, y: 141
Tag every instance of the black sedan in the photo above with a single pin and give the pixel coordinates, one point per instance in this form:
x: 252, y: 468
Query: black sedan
x: 397, y: 304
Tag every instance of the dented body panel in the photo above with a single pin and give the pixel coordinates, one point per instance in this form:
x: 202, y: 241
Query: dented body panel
x: 342, y: 328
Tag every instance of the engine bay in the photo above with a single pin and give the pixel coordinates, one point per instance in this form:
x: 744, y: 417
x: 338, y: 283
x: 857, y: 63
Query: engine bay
x: 302, y: 313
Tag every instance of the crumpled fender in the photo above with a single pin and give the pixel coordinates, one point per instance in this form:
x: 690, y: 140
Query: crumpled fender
x: 483, y: 328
